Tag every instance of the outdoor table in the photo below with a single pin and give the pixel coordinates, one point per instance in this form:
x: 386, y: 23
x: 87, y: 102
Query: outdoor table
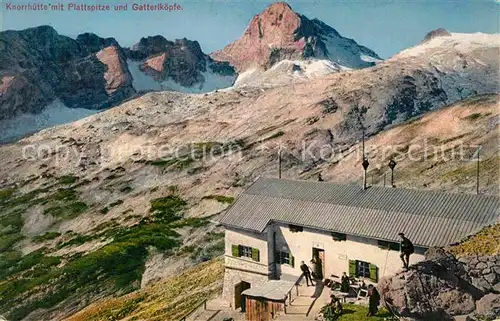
x: 343, y: 295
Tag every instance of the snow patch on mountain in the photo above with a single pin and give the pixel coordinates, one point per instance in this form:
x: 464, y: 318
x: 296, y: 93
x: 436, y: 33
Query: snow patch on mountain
x: 369, y: 58
x: 346, y: 52
x: 140, y: 80
x: 461, y: 42
x: 56, y: 113
x: 288, y: 71
x: 211, y: 81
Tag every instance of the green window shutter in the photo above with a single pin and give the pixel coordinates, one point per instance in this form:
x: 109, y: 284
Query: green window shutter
x: 373, y: 273
x: 292, y: 261
x: 352, y: 268
x: 255, y: 255
x: 235, y: 250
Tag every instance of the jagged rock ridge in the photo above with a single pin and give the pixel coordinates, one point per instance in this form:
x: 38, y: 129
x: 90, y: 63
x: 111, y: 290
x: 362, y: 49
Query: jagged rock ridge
x: 38, y: 65
x: 42, y: 74
x: 181, y: 61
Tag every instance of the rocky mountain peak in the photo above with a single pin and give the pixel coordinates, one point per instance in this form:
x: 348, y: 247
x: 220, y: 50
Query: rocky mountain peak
x: 95, y: 43
x: 440, y: 32
x: 157, y: 45
x: 148, y: 46
x: 39, y: 67
x: 277, y: 23
x: 159, y: 64
x: 279, y: 33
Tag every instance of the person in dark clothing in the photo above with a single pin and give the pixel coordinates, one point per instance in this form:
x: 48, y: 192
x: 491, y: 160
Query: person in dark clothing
x: 317, y: 268
x: 407, y: 249
x: 332, y: 310
x: 314, y: 268
x: 344, y: 284
x: 373, y: 300
x: 336, y: 305
x: 306, y: 272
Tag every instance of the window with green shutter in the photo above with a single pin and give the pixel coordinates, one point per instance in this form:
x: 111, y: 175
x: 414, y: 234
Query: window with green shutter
x: 255, y: 255
x: 235, y: 250
x: 292, y: 261
x: 353, y: 268
x: 363, y: 269
x: 246, y: 251
x: 373, y: 273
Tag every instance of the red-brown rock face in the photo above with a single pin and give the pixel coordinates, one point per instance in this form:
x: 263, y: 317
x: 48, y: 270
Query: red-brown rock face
x: 155, y: 64
x: 273, y: 28
x: 116, y: 74
x: 280, y: 33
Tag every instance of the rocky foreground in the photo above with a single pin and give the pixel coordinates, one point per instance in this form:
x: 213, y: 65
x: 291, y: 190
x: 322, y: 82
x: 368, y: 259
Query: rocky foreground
x: 447, y: 285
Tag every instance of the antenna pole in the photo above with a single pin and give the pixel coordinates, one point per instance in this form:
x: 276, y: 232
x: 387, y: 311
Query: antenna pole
x: 363, y: 142
x: 477, y: 171
x: 279, y: 162
x: 384, y: 179
x: 365, y: 161
x: 392, y: 164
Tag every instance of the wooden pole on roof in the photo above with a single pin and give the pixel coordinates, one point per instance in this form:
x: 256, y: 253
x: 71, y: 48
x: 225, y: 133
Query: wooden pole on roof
x: 365, y: 161
x: 279, y: 161
x: 477, y: 170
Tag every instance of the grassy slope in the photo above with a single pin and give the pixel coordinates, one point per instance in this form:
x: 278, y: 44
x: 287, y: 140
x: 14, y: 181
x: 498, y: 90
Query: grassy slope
x: 126, y: 193
x: 486, y: 242
x: 167, y: 300
x: 43, y: 279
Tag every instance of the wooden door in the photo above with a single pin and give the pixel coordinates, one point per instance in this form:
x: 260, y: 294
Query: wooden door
x: 321, y: 255
x: 239, y: 300
x: 237, y: 295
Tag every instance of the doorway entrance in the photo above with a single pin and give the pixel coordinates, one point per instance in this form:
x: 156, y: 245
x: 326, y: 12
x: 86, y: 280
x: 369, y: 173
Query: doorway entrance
x: 319, y: 257
x: 239, y: 300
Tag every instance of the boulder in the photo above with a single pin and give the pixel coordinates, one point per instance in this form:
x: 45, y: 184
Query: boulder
x: 435, y: 289
x: 456, y: 302
x: 488, y: 306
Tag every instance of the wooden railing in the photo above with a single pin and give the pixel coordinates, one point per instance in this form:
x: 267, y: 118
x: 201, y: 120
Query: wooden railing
x: 204, y: 303
x: 393, y: 311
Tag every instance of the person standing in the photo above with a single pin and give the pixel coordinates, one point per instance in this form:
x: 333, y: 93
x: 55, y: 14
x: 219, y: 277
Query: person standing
x: 344, y: 283
x: 407, y: 249
x: 306, y: 272
x: 314, y: 268
x: 373, y: 300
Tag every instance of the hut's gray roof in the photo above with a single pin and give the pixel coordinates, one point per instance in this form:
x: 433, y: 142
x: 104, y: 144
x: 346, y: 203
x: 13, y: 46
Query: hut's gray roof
x: 428, y: 218
x: 276, y: 290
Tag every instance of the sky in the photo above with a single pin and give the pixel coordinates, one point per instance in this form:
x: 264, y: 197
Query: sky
x: 386, y: 27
